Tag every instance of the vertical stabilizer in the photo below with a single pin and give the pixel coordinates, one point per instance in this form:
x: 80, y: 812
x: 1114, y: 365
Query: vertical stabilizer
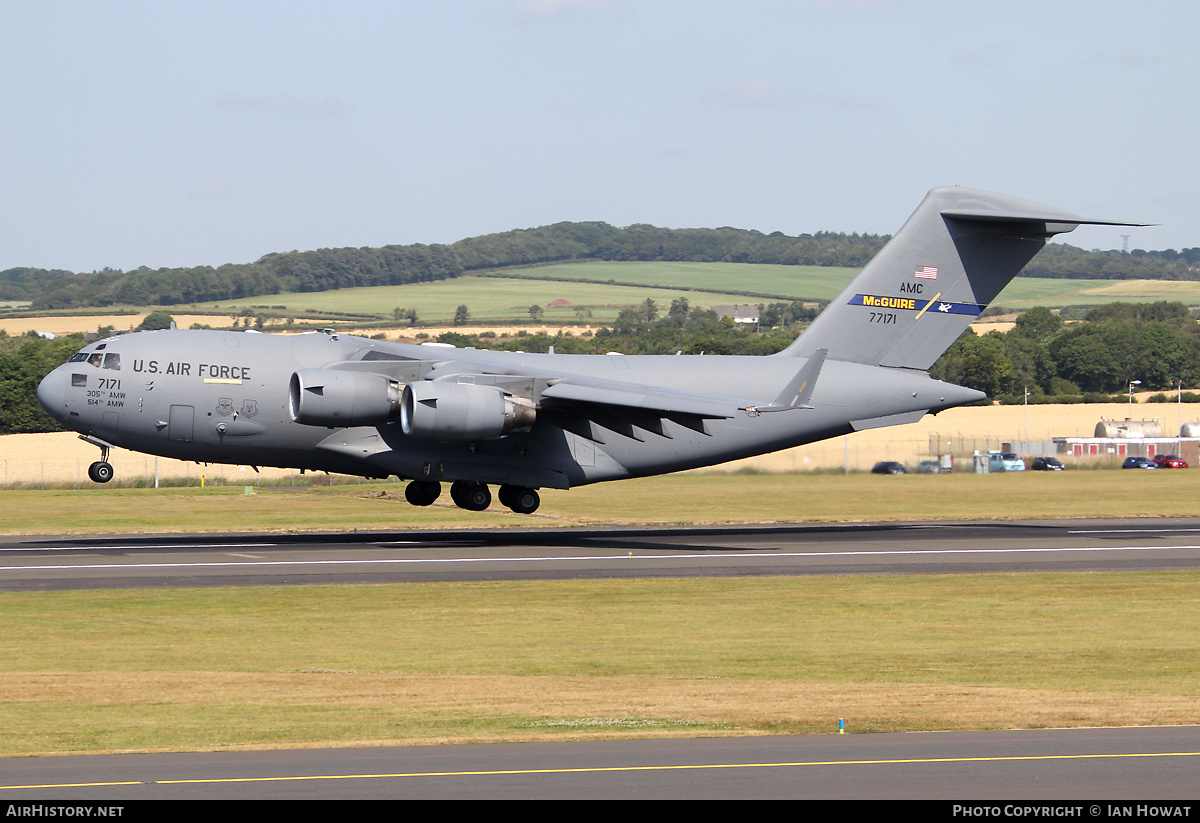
x: 933, y: 278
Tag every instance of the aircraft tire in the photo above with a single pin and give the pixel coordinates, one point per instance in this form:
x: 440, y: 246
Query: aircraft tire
x: 471, y: 496
x: 100, y: 472
x: 520, y: 499
x: 479, y: 497
x: 422, y: 492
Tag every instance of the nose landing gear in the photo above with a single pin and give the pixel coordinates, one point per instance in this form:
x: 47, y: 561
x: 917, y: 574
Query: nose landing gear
x: 101, y: 471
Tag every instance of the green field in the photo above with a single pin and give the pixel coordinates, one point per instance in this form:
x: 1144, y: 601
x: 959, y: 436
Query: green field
x: 506, y: 296
x: 1027, y: 292
x: 824, y: 283
x: 780, y: 282
x: 490, y: 299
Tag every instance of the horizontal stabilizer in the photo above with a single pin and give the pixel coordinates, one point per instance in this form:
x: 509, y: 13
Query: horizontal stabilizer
x: 1047, y: 223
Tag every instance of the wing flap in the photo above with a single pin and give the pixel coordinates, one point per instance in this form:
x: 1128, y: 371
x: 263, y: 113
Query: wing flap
x: 643, y: 398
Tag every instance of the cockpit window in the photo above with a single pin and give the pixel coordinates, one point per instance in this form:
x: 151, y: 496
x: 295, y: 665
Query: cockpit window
x: 107, y: 360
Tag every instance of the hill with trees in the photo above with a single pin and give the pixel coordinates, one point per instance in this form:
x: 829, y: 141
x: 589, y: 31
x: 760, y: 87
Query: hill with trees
x: 323, y: 269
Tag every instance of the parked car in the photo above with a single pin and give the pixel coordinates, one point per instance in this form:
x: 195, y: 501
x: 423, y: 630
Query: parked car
x: 929, y: 467
x: 1139, y: 463
x: 1046, y: 464
x: 888, y: 467
x: 1169, y: 461
x: 1005, y: 462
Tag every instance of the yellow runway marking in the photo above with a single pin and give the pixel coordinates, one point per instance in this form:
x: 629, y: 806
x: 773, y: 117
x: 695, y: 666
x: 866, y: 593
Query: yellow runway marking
x: 76, y: 785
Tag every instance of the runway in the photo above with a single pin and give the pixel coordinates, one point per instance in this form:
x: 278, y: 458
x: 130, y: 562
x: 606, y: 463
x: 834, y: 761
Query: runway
x: 1091, y: 769
x: 1101, y: 765
x: 73, y: 562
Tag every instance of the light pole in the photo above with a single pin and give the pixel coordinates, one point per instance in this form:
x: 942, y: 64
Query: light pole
x: 1027, y: 417
x: 1132, y: 383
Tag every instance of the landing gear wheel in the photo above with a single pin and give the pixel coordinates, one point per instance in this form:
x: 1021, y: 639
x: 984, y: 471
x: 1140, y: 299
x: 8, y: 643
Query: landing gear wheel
x: 100, y: 471
x: 422, y: 492
x: 521, y: 499
x: 471, y: 496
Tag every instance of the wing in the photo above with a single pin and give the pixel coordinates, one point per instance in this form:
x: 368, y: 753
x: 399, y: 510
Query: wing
x: 583, y: 404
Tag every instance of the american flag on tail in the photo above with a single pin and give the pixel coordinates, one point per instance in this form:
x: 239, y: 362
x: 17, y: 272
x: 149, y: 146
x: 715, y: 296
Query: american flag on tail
x: 926, y: 273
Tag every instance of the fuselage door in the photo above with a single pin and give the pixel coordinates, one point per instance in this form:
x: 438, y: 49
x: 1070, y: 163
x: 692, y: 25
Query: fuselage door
x: 179, y: 428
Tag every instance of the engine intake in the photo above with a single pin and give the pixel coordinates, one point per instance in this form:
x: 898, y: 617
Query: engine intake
x: 329, y: 397
x: 461, y: 411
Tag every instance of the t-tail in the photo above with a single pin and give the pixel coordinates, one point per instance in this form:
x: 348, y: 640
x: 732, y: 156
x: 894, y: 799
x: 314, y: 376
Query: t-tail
x: 957, y: 251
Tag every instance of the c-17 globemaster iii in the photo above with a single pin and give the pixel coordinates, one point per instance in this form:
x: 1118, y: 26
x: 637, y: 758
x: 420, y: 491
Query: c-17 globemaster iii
x: 434, y: 413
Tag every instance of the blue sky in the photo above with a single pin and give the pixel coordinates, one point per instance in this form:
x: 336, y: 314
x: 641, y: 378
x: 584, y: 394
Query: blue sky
x: 174, y: 134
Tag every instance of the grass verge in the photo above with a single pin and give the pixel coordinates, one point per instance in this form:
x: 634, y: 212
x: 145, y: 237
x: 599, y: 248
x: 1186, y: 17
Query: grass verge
x: 423, y: 663
x: 673, y: 499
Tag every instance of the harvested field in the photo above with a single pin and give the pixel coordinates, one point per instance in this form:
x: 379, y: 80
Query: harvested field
x: 85, y: 323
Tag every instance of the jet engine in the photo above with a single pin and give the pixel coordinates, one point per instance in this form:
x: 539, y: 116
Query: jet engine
x: 329, y: 397
x: 461, y: 411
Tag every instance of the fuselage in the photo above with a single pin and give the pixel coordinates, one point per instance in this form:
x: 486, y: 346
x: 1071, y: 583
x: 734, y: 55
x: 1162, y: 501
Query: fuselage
x: 223, y: 397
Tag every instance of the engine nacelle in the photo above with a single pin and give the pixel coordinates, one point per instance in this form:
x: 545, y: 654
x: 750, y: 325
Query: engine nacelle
x: 328, y: 397
x: 461, y: 411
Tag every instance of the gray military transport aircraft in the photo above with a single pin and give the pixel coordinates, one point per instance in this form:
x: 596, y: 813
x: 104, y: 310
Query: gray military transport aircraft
x: 433, y: 413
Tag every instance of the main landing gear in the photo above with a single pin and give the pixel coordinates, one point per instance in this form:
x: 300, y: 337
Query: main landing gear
x: 473, y: 496
x: 521, y: 499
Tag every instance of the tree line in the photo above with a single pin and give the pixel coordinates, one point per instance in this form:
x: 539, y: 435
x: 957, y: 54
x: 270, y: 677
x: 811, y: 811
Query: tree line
x: 1155, y: 343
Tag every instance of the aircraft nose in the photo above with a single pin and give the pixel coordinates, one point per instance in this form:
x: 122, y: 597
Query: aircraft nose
x: 52, y: 394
